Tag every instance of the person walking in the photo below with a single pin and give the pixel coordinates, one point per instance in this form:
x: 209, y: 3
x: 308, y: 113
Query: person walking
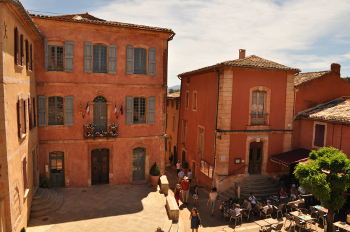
x: 195, y: 220
x: 185, y: 187
x: 212, y: 199
x: 195, y: 195
x: 189, y: 175
x: 177, y: 193
x: 178, y: 167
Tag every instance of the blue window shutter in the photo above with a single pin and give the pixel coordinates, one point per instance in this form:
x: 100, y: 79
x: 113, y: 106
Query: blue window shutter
x: 129, y: 110
x: 129, y: 59
x: 87, y: 57
x: 68, y: 56
x: 41, y: 110
x: 46, y: 51
x: 152, y: 61
x: 69, y: 110
x: 112, y: 59
x: 151, y: 109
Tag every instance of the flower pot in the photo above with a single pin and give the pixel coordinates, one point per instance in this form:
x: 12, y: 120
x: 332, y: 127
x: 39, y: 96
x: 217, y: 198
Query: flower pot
x: 154, y: 180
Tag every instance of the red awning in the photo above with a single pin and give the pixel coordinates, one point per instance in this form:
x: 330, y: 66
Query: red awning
x: 291, y: 157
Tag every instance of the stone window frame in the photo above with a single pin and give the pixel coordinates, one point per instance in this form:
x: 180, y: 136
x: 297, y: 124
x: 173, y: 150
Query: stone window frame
x: 187, y: 99
x: 267, y: 107
x: 313, y: 133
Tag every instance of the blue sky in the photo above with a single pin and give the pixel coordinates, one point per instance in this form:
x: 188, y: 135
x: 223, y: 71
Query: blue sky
x: 307, y: 34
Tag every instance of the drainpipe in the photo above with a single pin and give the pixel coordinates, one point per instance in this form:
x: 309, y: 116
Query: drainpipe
x: 216, y: 120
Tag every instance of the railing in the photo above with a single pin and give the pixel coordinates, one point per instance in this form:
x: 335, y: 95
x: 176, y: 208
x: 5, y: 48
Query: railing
x: 258, y: 118
x: 90, y: 131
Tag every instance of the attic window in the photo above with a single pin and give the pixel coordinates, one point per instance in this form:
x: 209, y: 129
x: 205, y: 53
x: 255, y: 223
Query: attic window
x: 77, y: 17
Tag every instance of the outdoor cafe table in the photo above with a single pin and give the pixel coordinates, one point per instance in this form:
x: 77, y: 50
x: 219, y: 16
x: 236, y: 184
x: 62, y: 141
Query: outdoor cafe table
x: 342, y: 225
x: 266, y: 222
x: 321, y: 208
x: 304, y: 217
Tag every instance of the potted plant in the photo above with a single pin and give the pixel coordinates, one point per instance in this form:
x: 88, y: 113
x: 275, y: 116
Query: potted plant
x: 155, y: 173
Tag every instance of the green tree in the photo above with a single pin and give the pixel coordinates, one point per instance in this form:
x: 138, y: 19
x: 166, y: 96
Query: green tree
x: 171, y: 90
x: 327, y: 176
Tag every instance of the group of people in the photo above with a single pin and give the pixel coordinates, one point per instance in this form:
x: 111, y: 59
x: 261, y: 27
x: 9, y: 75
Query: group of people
x: 294, y: 193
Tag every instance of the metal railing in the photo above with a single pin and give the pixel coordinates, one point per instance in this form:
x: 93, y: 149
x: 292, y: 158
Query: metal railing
x: 90, y: 131
x: 258, y: 118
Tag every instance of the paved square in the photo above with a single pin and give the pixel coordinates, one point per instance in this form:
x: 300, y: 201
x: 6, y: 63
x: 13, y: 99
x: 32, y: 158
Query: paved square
x: 106, y: 208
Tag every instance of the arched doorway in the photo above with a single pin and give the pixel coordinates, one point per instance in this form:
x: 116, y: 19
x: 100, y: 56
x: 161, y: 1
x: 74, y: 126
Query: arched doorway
x: 255, y: 157
x: 100, y: 166
x: 56, y: 159
x: 138, y: 163
x: 100, y: 114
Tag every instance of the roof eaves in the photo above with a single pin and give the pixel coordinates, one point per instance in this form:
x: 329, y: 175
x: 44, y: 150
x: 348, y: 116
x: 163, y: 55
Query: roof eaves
x: 312, y: 79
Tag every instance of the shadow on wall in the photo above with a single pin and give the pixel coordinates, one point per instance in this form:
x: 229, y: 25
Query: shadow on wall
x: 96, y: 202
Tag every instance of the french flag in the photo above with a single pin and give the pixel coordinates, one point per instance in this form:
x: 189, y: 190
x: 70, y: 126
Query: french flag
x: 115, y: 111
x: 87, y: 110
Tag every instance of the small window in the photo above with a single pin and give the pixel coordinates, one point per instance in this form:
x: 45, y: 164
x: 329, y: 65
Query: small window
x: 27, y: 54
x: 55, y: 111
x: 139, y: 110
x: 140, y: 56
x: 187, y: 99
x: 55, y: 58
x: 30, y: 57
x: 21, y: 59
x: 21, y: 118
x: 16, y: 46
x: 319, y: 135
x: 194, y: 101
x: 100, y: 58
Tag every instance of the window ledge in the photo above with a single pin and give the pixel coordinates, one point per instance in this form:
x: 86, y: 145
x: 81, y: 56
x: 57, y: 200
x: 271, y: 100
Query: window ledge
x: 26, y: 193
x: 258, y: 127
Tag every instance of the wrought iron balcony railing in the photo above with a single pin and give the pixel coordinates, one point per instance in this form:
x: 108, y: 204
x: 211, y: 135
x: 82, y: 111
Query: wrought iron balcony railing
x: 90, y: 131
x: 258, y: 118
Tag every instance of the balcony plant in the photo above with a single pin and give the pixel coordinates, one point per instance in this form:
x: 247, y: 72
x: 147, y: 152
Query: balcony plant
x: 154, y: 173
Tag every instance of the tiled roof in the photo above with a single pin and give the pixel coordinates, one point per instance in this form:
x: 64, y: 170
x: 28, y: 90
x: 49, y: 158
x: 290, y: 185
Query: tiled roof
x: 291, y: 157
x: 337, y: 110
x: 301, y: 78
x: 87, y: 18
x: 252, y: 61
x: 174, y: 95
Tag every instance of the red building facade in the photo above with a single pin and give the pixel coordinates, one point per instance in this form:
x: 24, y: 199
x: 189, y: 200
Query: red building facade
x: 101, y: 99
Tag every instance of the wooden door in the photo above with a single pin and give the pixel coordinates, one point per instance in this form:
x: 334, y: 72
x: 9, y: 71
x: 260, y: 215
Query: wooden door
x: 255, y: 157
x: 138, y: 162
x: 57, y: 168
x: 99, y: 166
x: 100, y: 114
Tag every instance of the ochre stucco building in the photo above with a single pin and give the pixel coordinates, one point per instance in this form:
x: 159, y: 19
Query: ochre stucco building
x: 18, y: 130
x: 101, y: 90
x: 173, y: 107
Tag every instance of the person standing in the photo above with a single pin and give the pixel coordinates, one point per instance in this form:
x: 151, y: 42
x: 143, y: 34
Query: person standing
x: 185, y: 187
x: 212, y: 199
x: 189, y: 175
x: 177, y: 193
x: 195, y: 220
x: 181, y: 174
x: 178, y: 167
x: 195, y: 195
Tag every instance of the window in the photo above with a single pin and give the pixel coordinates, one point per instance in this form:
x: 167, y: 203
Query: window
x: 21, y: 118
x: 30, y: 113
x: 55, y: 58
x: 319, y: 135
x: 187, y: 99
x: 100, y: 59
x: 140, y: 55
x: 184, y: 131
x: 258, y: 108
x: 207, y: 169
x: 27, y: 54
x: 30, y: 57
x: 139, y: 110
x: 21, y: 59
x: 194, y: 102
x: 34, y: 111
x: 200, y: 141
x: 16, y: 46
x: 55, y: 111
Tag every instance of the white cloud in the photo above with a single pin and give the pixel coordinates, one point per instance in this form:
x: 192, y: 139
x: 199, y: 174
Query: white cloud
x: 211, y: 31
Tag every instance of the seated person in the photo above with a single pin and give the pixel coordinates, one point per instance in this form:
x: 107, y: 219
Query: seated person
x: 294, y: 193
x: 283, y: 193
x: 252, y: 199
x: 247, y: 205
x: 237, y: 209
x: 267, y: 206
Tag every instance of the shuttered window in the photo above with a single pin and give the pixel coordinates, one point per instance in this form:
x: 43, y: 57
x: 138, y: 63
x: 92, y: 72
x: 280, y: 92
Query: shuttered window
x: 30, y: 57
x: 258, y: 108
x: 21, y: 46
x: 21, y: 118
x: 41, y: 110
x: 27, y: 54
x: 68, y: 56
x: 16, y: 46
x: 112, y: 59
x: 319, y: 135
x: 69, y: 120
x: 151, y: 107
x: 34, y: 111
x: 140, y: 61
x: 140, y: 56
x: 200, y: 141
x: 140, y: 110
x: 30, y: 113
x: 55, y: 56
x: 99, y: 59
x: 88, y: 57
x: 55, y: 111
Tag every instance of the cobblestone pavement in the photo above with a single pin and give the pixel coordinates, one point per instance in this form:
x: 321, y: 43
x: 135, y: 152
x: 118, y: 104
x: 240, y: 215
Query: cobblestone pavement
x: 134, y: 208
x: 214, y: 223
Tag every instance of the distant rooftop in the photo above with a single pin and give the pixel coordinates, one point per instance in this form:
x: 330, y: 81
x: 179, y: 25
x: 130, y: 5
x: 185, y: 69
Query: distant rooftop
x: 174, y: 95
x: 88, y: 18
x: 301, y: 78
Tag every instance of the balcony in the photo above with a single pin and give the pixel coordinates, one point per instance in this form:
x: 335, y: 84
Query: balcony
x: 90, y: 131
x: 258, y: 118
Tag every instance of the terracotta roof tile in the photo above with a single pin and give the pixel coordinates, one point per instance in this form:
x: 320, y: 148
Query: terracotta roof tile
x: 308, y: 76
x: 337, y: 110
x: 252, y: 61
x: 87, y: 18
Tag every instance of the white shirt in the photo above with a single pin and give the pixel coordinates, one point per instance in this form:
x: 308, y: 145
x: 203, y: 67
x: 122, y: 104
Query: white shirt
x: 213, y: 196
x: 252, y: 199
x: 238, y: 211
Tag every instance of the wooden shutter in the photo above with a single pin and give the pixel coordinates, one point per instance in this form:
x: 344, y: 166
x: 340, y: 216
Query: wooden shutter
x: 41, y: 110
x: 152, y: 61
x: 87, y: 57
x: 151, y: 108
x: 24, y: 112
x: 46, y: 51
x: 30, y: 113
x: 34, y: 112
x: 16, y: 45
x: 129, y: 59
x: 21, y: 50
x: 129, y: 110
x: 69, y: 110
x: 112, y: 59
x: 68, y: 56
x: 18, y: 118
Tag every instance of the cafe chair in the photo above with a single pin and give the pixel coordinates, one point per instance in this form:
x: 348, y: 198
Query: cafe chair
x: 279, y: 210
x: 267, y: 214
x: 235, y: 217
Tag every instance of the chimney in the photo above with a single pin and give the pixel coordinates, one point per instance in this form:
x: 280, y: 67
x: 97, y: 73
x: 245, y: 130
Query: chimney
x: 241, y: 53
x: 335, y: 68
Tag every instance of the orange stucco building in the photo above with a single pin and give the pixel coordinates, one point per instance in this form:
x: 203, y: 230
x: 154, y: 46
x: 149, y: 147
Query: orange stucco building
x: 101, y: 99
x: 172, y: 120
x: 18, y: 130
x: 234, y: 115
